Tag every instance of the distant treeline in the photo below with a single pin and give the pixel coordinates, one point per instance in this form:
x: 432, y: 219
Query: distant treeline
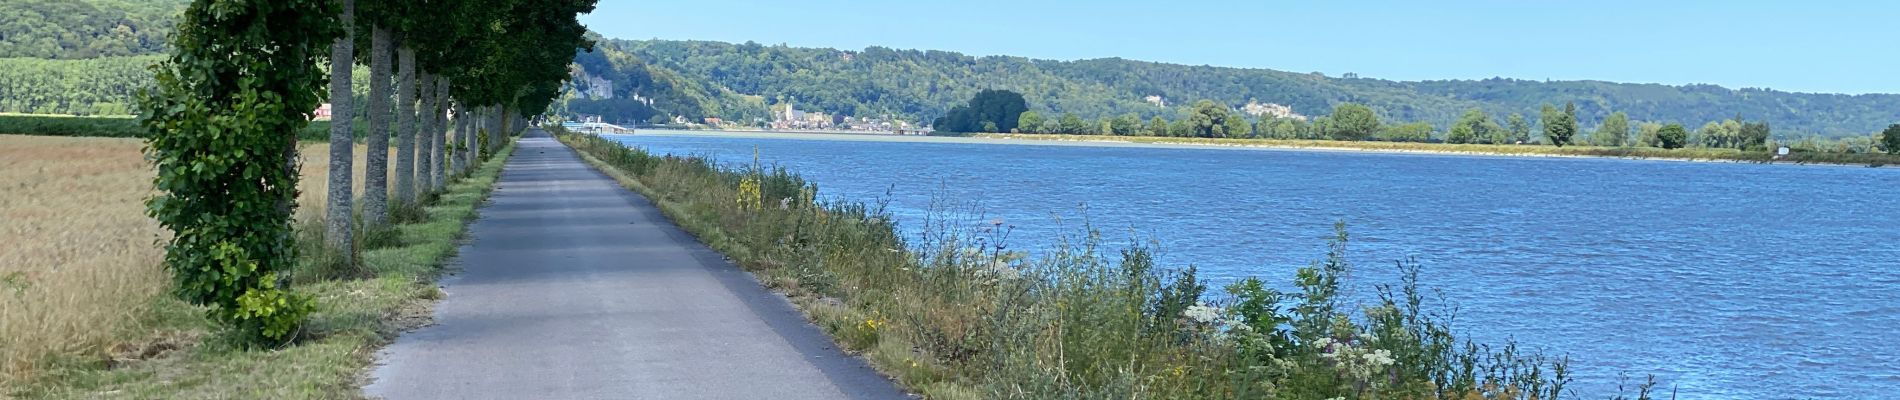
x: 98, y: 86
x: 94, y: 86
x: 74, y: 29
x: 923, y: 85
x: 999, y: 111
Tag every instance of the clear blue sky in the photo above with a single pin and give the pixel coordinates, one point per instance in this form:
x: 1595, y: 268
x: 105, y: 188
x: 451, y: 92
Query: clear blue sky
x: 1804, y: 46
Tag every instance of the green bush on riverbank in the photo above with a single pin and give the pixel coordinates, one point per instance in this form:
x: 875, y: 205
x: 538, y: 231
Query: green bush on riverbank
x: 959, y: 314
x: 121, y: 126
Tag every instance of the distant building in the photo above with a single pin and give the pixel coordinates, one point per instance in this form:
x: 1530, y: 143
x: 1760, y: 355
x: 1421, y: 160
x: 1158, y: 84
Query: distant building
x: 323, y: 112
x: 1257, y: 109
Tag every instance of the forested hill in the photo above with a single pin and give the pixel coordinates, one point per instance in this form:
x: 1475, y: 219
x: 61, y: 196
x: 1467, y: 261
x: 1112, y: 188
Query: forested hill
x: 70, y: 29
x: 920, y: 85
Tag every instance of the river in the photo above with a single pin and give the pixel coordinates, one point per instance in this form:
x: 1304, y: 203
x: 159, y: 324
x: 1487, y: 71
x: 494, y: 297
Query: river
x: 1726, y: 281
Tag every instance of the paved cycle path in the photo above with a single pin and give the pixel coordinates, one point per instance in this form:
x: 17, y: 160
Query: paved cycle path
x: 573, y: 287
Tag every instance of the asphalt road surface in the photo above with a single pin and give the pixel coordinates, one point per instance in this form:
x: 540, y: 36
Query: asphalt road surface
x: 573, y: 287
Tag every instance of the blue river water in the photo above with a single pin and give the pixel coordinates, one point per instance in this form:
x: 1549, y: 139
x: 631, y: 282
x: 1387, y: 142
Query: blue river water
x: 1725, y: 281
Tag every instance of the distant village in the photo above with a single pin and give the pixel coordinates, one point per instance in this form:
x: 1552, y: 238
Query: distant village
x: 787, y: 116
x: 784, y: 116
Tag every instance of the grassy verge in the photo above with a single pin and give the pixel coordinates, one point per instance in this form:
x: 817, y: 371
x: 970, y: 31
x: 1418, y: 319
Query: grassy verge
x: 121, y: 126
x: 956, y: 314
x: 174, y: 352
x: 1691, y: 154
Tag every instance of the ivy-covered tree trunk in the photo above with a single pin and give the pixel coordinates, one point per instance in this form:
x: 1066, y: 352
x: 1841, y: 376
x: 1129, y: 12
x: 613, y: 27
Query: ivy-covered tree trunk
x: 217, y: 132
x: 336, y: 221
x: 405, y: 125
x: 425, y: 82
x: 376, y: 163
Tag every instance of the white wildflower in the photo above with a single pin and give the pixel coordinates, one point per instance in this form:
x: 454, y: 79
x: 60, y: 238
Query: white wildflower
x: 1378, y: 358
x: 1202, y: 313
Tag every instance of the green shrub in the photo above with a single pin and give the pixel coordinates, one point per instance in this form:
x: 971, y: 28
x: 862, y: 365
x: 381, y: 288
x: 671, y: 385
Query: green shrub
x: 58, y: 125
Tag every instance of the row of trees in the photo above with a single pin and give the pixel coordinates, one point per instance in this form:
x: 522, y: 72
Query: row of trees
x: 97, y: 86
x: 243, y: 77
x: 1350, y: 121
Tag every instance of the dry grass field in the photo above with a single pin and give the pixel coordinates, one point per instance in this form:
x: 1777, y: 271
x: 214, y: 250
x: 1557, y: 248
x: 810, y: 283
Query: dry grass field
x: 80, y: 269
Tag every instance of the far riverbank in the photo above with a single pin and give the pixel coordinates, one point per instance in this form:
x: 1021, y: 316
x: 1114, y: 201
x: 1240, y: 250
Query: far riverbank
x: 1632, y: 153
x: 1688, y: 155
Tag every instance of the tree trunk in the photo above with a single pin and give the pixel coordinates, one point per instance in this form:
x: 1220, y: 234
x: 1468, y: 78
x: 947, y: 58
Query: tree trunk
x: 336, y: 219
x: 457, y: 120
x: 436, y: 140
x: 406, y: 125
x: 499, y: 133
x: 470, y: 152
x: 376, y: 175
x: 426, y: 129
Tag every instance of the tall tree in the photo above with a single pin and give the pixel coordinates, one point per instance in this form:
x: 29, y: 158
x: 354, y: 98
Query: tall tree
x: 1129, y: 124
x: 1029, y: 122
x: 1754, y: 135
x: 425, y: 128
x: 220, y: 134
x: 1560, y: 126
x: 1890, y: 139
x: 1647, y: 134
x: 338, y: 211
x: 1208, y: 119
x: 437, y: 142
x: 376, y: 161
x: 1352, y: 121
x: 1157, y: 126
x: 1672, y: 136
x: 459, y: 148
x: 1072, y: 124
x: 1520, y: 129
x: 1614, y: 131
x: 405, y: 123
x: 1474, y: 127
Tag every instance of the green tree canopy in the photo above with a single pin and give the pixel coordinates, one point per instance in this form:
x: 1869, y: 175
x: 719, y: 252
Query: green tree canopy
x: 1002, y: 109
x: 1672, y: 136
x: 1520, y: 129
x: 1157, y: 127
x: 1212, y: 120
x: 1029, y: 122
x: 1560, y: 127
x: 1128, y: 124
x: 1614, y: 131
x: 1407, y: 132
x: 1352, y: 121
x: 1474, y: 127
x: 1072, y: 124
x: 1890, y: 139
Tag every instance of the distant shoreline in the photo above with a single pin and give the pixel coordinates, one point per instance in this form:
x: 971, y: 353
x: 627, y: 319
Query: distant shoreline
x: 1526, y: 151
x: 1515, y: 151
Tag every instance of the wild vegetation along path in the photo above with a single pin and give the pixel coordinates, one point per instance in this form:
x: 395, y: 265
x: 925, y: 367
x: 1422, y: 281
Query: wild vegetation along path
x: 574, y: 287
